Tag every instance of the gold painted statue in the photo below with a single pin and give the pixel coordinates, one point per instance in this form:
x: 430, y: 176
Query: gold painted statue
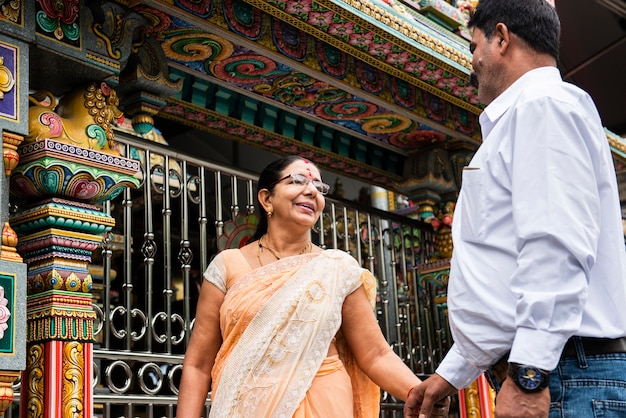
x: 83, y: 117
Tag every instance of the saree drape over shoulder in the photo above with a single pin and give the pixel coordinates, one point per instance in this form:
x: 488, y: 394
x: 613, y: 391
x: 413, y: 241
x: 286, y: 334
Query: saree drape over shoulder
x: 277, y: 324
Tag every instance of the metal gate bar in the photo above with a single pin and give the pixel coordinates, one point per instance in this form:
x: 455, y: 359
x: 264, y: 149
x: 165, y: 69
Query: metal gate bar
x: 166, y: 232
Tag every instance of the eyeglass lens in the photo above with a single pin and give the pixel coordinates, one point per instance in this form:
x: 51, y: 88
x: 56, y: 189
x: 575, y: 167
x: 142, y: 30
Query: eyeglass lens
x: 301, y: 180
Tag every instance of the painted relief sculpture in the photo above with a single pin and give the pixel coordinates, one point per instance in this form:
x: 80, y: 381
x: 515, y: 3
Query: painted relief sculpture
x: 67, y: 164
x: 82, y: 118
x: 69, y: 150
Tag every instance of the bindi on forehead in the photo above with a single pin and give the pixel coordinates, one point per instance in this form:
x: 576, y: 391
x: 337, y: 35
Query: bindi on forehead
x: 308, y: 167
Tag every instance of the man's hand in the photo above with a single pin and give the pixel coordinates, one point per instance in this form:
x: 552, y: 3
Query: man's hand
x: 423, y: 397
x: 513, y: 402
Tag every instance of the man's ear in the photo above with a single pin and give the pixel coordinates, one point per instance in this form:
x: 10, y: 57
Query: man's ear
x: 502, y: 35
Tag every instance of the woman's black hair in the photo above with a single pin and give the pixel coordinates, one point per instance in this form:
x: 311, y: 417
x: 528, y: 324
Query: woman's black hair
x: 267, y: 180
x: 535, y: 21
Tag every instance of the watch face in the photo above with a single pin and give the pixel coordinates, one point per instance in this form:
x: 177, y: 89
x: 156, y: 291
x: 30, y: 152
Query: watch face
x: 529, y: 377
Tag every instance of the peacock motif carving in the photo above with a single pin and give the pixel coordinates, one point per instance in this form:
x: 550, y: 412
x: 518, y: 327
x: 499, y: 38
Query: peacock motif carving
x: 83, y: 117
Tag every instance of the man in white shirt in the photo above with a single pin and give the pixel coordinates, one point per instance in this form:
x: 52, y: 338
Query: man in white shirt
x: 537, y: 289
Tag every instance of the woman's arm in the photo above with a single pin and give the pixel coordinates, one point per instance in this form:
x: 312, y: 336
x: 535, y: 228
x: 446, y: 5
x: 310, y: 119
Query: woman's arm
x: 200, y: 356
x: 371, y: 351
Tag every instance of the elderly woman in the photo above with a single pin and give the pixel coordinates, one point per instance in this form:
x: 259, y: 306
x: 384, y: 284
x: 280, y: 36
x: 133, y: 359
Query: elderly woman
x: 284, y: 328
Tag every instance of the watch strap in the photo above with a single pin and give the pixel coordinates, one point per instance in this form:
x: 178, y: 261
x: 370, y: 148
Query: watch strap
x: 529, y: 378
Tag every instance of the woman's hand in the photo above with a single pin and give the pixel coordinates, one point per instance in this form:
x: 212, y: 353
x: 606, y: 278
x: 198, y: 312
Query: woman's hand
x: 429, y: 399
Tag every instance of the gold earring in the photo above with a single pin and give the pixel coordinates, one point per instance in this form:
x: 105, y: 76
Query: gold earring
x: 269, y: 214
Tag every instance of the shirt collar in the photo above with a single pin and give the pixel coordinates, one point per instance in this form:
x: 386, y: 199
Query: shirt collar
x: 507, y: 98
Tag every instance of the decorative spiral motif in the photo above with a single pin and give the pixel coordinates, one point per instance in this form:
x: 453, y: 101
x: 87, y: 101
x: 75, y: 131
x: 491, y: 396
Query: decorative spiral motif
x: 416, y: 138
x: 298, y: 89
x: 158, y: 20
x: 244, y: 69
x: 197, y: 46
x: 386, y: 123
x: 97, y: 133
x: 73, y: 379
x: 35, y: 380
x: 346, y: 110
x: 53, y: 122
x: 193, y: 189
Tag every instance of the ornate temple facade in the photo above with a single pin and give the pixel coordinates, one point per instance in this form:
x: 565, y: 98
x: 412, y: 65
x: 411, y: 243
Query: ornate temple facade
x: 116, y: 192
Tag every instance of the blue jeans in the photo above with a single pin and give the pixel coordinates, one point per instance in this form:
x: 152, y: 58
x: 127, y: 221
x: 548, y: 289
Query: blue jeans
x: 589, y: 387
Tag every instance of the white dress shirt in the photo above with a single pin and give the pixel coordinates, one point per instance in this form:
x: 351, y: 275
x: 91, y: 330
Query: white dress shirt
x: 538, y: 241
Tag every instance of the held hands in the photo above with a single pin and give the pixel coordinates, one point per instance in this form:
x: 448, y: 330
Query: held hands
x: 429, y: 399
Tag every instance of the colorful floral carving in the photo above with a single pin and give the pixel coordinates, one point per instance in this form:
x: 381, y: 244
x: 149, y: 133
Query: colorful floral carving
x: 289, y: 40
x: 202, y: 8
x: 5, y: 314
x: 59, y: 18
x: 53, y: 168
x: 243, y: 19
x: 213, y: 56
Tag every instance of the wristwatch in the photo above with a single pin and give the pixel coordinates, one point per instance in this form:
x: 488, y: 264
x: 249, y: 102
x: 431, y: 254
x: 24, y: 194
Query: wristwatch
x: 529, y: 378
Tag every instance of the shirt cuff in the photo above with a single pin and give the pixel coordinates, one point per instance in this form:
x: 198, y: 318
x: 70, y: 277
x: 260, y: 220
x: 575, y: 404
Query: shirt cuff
x: 537, y: 348
x: 456, y: 370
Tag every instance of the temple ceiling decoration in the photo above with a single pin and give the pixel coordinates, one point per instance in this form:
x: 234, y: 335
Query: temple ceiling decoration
x: 375, y: 89
x: 370, y: 82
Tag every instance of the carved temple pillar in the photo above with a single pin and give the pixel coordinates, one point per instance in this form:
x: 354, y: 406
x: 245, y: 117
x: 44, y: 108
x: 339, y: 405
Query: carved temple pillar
x: 62, y: 175
x: 477, y: 400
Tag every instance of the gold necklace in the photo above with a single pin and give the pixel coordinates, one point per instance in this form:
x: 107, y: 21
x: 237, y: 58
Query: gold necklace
x: 261, y: 247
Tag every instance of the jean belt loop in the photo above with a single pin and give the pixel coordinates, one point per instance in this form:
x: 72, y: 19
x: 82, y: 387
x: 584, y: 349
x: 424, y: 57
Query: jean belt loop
x: 580, y: 352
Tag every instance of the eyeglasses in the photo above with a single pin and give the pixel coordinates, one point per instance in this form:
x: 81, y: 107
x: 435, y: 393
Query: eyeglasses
x: 300, y: 180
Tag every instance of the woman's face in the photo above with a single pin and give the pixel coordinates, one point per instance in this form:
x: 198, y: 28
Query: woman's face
x: 300, y: 203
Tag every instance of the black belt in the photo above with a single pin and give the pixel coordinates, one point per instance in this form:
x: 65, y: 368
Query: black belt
x: 591, y: 346
x: 594, y: 346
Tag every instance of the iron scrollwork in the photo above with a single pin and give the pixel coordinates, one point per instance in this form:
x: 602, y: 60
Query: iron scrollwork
x: 121, y: 333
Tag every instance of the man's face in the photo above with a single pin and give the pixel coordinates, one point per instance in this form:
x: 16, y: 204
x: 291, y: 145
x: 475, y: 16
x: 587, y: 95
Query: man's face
x: 484, y: 74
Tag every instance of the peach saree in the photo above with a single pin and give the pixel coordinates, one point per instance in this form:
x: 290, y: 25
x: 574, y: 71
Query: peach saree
x: 278, y: 322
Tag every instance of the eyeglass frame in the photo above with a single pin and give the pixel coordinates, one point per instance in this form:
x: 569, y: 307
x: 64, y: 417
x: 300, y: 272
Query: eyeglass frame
x: 309, y: 181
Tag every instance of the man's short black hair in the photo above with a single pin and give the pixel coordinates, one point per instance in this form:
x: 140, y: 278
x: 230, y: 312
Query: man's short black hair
x: 535, y: 21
